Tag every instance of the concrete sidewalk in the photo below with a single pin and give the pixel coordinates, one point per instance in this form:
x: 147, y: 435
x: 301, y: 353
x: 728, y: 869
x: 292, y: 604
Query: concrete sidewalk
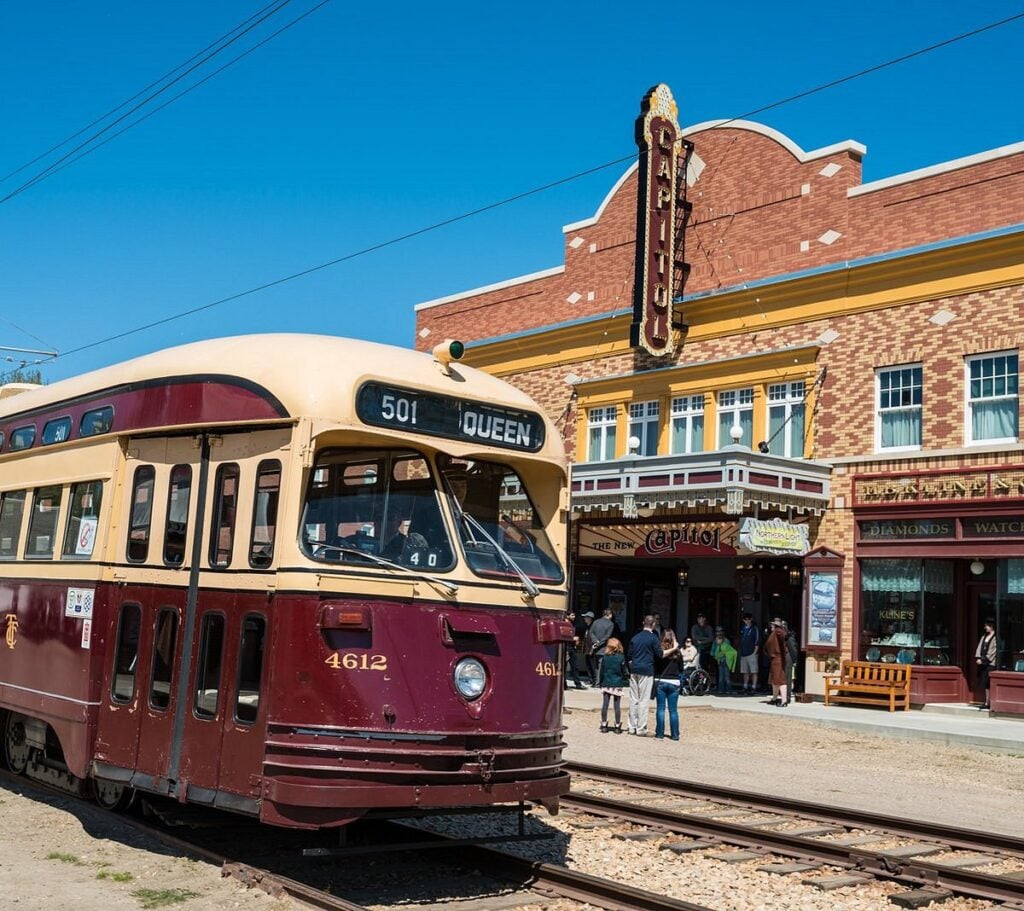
x: 956, y: 725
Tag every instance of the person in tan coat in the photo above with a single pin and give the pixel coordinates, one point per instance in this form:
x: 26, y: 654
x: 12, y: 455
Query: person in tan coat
x: 775, y: 649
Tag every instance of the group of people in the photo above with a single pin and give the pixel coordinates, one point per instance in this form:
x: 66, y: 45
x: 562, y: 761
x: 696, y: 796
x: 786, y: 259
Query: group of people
x: 773, y: 653
x: 656, y: 662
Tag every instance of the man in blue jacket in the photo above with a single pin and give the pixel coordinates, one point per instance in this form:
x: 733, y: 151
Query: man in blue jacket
x: 644, y: 650
x: 750, y: 645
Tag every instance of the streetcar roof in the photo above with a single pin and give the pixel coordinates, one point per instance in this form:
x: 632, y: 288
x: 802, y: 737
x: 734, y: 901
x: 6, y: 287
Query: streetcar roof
x: 304, y: 375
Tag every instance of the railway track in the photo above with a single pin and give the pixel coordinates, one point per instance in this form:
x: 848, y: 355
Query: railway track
x: 534, y: 882
x: 681, y: 817
x: 936, y: 858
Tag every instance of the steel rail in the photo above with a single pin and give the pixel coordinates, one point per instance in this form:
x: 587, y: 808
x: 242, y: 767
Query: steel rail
x: 250, y: 875
x: 561, y: 881
x: 912, y: 870
x: 958, y: 838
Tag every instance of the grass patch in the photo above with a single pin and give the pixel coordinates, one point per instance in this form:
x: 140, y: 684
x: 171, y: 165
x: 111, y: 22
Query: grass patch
x: 64, y: 857
x: 116, y: 877
x: 159, y: 898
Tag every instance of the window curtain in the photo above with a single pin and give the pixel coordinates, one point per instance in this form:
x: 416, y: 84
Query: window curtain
x: 994, y: 420
x: 697, y: 433
x: 796, y: 432
x: 901, y: 428
x: 890, y: 575
x: 776, y: 437
x: 1015, y: 577
x: 938, y: 577
x: 726, y: 421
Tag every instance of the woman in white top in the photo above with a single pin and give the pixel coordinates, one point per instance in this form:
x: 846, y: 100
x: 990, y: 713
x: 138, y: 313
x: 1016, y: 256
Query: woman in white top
x: 985, y: 656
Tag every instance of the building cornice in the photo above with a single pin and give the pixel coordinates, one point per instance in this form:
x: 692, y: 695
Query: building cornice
x: 944, y: 269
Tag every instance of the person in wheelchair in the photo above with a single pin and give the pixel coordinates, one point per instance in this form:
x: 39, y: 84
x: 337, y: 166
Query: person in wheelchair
x: 693, y: 679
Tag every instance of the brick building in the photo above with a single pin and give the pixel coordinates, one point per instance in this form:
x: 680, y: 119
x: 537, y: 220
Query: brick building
x: 836, y: 438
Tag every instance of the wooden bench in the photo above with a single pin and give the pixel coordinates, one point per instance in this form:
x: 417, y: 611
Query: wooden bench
x: 869, y: 683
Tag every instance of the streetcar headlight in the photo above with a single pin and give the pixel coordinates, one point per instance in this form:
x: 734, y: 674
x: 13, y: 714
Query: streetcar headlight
x: 470, y: 678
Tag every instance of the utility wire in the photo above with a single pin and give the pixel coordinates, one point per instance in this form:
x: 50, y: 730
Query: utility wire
x: 181, y: 94
x: 510, y: 199
x: 138, y: 94
x: 51, y: 169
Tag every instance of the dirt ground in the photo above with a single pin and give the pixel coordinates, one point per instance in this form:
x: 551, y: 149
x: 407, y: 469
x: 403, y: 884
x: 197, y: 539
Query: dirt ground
x: 54, y: 851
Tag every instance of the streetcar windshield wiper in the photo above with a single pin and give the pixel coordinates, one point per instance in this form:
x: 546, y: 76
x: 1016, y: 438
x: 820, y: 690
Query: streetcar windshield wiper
x: 528, y: 584
x: 356, y: 552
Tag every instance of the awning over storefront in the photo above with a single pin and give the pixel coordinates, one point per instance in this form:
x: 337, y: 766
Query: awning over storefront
x: 732, y: 480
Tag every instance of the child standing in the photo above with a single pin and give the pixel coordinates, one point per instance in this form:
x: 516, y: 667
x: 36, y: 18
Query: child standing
x: 613, y: 678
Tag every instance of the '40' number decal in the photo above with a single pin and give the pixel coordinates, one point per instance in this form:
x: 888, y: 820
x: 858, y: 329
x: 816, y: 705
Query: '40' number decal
x: 353, y: 662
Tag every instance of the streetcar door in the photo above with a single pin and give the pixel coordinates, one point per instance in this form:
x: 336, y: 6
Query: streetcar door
x: 223, y: 728
x: 136, y: 702
x: 118, y: 725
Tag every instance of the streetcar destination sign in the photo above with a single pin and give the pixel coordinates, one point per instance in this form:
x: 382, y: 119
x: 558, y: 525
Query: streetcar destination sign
x: 445, y: 416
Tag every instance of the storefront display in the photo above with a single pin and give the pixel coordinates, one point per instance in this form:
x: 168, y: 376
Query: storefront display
x: 906, y: 611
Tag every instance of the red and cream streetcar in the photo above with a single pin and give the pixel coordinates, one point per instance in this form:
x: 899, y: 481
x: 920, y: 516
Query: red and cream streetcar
x: 296, y: 577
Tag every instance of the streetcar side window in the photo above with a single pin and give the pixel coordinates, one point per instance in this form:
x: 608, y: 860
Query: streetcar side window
x: 264, y: 514
x: 126, y: 654
x: 250, y: 668
x: 56, y: 431
x: 101, y: 420
x: 225, y: 508
x: 165, y: 639
x: 176, y: 530
x: 83, y: 519
x: 23, y: 437
x: 43, y: 524
x: 12, y: 508
x: 211, y: 655
x: 141, y: 517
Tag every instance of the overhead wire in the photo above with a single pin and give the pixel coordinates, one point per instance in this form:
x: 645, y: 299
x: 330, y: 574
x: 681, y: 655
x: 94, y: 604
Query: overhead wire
x: 54, y: 167
x: 138, y: 94
x: 525, y: 194
x: 184, y: 92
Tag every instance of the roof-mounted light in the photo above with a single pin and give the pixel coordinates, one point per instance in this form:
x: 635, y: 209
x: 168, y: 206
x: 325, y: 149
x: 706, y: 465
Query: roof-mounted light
x: 447, y: 351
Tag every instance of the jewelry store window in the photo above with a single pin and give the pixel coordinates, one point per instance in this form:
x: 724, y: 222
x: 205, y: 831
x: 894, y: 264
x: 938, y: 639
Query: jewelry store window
x: 906, y: 611
x: 1010, y: 616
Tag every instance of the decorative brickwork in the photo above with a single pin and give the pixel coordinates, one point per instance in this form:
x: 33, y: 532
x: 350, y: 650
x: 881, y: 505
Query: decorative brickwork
x: 924, y: 269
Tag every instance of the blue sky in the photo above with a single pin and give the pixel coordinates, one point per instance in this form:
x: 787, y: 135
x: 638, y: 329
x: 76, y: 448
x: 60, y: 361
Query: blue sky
x: 362, y: 123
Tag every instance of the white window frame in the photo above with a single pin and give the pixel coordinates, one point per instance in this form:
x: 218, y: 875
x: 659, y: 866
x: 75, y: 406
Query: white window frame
x: 788, y: 395
x: 603, y: 417
x: 735, y: 402
x: 683, y: 410
x: 644, y: 418
x: 969, y: 401
x: 919, y: 408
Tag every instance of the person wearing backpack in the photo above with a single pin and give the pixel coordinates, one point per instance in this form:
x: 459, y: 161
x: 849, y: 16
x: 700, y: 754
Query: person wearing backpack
x: 601, y: 630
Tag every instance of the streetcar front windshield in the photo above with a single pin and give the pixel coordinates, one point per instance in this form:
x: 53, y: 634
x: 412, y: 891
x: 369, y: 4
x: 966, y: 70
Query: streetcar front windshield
x: 364, y: 504
x: 497, y: 521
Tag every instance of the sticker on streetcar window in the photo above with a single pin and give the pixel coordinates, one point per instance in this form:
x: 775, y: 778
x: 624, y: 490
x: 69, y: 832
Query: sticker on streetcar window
x: 445, y: 416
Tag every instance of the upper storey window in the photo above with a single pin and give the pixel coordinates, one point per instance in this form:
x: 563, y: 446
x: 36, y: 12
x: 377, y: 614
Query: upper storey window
x: 643, y: 425
x: 736, y: 409
x: 992, y: 392
x: 786, y: 419
x: 601, y: 434
x: 899, y: 407
x: 688, y: 424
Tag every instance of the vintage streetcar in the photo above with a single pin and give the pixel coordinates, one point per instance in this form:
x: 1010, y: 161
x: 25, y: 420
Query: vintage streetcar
x: 297, y: 577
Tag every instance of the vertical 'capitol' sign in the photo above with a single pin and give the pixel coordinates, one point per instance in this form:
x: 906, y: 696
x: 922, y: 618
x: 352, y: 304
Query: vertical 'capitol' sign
x: 657, y: 132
